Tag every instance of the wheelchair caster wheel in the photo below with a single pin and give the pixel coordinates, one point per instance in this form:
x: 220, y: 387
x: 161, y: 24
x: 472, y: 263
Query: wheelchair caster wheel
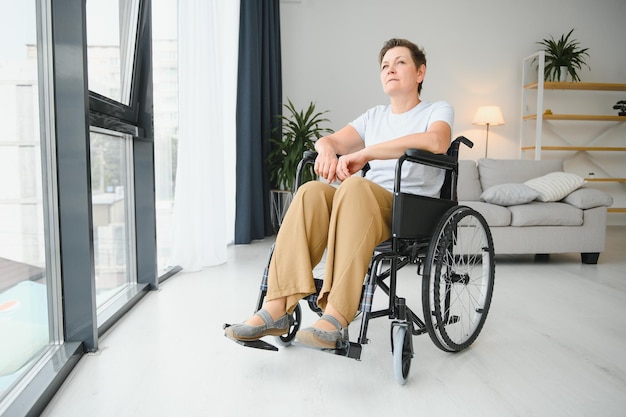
x: 295, y: 319
x: 402, y: 348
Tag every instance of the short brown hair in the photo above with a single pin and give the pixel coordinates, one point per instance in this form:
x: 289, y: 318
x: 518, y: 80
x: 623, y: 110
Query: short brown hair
x: 417, y: 53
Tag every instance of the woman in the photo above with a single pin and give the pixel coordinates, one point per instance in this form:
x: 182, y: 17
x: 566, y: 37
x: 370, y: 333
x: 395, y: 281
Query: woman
x: 352, y: 219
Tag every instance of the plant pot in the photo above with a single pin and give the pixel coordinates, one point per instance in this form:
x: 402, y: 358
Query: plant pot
x: 563, y: 75
x: 279, y: 203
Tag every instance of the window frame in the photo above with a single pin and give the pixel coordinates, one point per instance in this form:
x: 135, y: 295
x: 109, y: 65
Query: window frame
x: 67, y: 111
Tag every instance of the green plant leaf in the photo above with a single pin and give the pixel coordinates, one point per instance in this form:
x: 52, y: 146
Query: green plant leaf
x: 300, y: 129
x: 563, y: 53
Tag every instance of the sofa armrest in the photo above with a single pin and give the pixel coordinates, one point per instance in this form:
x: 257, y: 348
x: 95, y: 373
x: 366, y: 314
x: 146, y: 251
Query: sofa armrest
x: 586, y: 198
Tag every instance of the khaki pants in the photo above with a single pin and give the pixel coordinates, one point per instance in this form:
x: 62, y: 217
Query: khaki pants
x: 350, y: 221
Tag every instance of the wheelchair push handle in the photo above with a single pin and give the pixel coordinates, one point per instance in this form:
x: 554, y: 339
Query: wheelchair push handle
x: 454, y: 147
x: 465, y: 141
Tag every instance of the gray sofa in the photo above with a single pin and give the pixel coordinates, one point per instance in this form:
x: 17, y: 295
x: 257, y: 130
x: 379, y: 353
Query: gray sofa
x: 497, y: 189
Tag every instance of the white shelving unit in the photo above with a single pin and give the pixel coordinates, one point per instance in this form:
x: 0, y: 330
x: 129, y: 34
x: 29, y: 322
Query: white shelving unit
x: 598, y: 152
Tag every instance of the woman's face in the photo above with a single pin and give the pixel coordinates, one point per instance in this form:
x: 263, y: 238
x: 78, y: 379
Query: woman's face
x: 398, y: 73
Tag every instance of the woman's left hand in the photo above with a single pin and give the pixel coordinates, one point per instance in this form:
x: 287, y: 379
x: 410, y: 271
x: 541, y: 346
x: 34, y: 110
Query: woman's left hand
x: 349, y: 164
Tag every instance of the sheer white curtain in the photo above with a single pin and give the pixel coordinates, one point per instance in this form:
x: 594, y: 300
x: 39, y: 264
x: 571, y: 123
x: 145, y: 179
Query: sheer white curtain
x: 204, y: 199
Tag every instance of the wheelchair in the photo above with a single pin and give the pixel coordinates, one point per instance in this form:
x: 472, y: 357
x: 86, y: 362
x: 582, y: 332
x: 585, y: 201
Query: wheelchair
x: 452, y: 247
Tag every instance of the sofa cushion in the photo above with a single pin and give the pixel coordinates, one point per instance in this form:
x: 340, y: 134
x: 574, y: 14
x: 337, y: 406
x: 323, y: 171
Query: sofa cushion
x: 545, y: 214
x: 494, y: 215
x: 555, y: 186
x: 509, y: 194
x: 586, y: 198
x: 468, y: 187
x: 502, y: 171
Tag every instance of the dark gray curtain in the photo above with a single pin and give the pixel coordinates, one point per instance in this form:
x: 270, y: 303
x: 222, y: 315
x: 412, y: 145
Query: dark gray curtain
x: 259, y: 101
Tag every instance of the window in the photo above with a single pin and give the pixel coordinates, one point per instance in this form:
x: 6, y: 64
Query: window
x: 76, y: 194
x: 111, y: 40
x: 24, y: 328
x: 119, y: 125
x: 112, y: 208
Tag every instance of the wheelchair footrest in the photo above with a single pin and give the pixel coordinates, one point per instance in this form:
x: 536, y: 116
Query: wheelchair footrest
x: 347, y: 349
x: 258, y: 344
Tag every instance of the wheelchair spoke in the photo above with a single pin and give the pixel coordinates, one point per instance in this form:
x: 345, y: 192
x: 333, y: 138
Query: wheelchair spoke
x: 458, y: 277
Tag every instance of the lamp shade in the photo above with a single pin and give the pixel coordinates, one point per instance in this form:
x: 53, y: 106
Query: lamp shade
x: 488, y: 115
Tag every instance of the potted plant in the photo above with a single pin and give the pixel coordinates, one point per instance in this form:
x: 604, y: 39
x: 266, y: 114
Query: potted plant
x: 563, y: 56
x: 300, y: 130
x: 621, y: 106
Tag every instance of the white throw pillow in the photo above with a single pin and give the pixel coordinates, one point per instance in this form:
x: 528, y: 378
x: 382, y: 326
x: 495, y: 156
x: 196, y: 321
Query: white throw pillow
x: 555, y: 186
x: 509, y: 194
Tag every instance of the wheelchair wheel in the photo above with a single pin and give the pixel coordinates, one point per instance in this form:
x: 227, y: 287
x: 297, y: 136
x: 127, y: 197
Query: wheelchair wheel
x: 402, y: 352
x: 295, y: 319
x: 458, y: 278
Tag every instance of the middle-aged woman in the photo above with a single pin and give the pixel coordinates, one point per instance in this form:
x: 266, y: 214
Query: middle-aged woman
x: 350, y: 220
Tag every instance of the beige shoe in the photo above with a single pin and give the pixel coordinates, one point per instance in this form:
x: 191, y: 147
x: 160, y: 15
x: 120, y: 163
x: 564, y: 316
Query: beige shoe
x: 270, y: 327
x: 324, y: 339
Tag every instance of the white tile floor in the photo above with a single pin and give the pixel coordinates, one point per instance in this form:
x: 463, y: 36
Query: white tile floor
x: 554, y: 344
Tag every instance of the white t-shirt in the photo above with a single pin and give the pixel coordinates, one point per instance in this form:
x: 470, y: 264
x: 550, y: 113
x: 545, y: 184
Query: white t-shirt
x: 379, y: 124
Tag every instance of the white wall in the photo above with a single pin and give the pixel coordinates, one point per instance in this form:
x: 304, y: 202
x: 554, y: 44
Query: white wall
x: 474, y: 52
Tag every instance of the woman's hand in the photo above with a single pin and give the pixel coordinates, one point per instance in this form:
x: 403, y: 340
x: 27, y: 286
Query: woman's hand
x: 349, y: 164
x: 345, y: 142
x: 326, y: 164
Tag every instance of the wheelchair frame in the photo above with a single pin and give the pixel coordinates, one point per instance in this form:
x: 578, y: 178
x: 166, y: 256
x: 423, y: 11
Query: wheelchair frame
x: 432, y: 233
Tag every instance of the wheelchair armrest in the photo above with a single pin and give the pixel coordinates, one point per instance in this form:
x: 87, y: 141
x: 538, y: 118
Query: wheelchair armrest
x: 448, y: 161
x: 428, y: 158
x: 309, y: 156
